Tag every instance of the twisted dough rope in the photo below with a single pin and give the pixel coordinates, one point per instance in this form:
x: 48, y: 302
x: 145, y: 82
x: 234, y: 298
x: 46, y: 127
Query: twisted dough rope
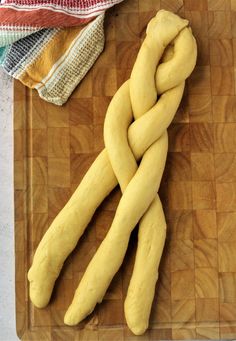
x: 69, y: 225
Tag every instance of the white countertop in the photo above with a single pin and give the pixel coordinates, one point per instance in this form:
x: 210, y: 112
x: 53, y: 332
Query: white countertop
x: 7, y: 281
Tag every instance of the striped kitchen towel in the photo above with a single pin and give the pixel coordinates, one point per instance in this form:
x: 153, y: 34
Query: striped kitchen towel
x: 50, y: 45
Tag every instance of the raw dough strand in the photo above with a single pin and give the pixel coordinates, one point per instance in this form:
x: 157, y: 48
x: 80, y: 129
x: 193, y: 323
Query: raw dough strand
x: 152, y: 232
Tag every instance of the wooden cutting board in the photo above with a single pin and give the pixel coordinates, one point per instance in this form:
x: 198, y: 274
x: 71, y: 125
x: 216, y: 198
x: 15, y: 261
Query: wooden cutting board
x: 54, y: 147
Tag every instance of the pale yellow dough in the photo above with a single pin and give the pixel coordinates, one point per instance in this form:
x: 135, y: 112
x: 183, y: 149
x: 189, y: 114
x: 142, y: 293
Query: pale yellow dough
x: 126, y: 143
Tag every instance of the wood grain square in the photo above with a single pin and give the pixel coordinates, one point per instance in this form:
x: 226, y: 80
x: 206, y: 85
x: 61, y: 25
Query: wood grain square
x: 224, y: 137
x: 159, y: 334
x: 178, y: 166
x: 39, y: 170
x: 226, y: 196
x: 87, y: 335
x: 58, y: 142
x: 202, y: 165
x: 161, y: 311
x: 207, y: 333
x: 182, y: 114
x: 227, y: 330
x: 81, y: 111
x: 63, y: 335
x: 204, y: 224
x: 200, y: 81
x: 224, y: 108
x: 40, y: 221
x: 82, y: 139
x: 104, y: 81
x: 183, y: 310
x: 108, y: 57
x: 205, y: 252
x: 225, y: 167
x: 90, y: 231
x: 206, y: 283
x: 227, y: 254
x: 227, y: 311
x: 172, y: 5
x: 114, y: 291
x: 122, y: 76
x: 58, y: 117
x: 222, y: 80
x: 58, y: 172
x: 182, y: 256
x: 85, y: 88
x: 207, y: 309
x: 227, y: 282
x: 177, y: 190
x: 100, y: 105
x: 128, y: 6
x: 200, y: 108
x: 201, y: 137
x: 111, y: 312
x: 126, y: 54
x: 152, y: 5
x: 182, y: 284
x: 203, y: 57
x: 82, y: 255
x: 109, y: 25
x: 233, y: 5
x: 127, y: 27
x: 79, y: 164
x: 57, y: 316
x: 219, y: 24
x: 103, y: 221
x: 179, y: 224
x: 111, y: 334
x: 39, y: 199
x: 226, y: 226
x: 198, y: 20
x: 98, y: 138
x: 218, y: 5
x: 111, y: 201
x: 203, y: 195
x: 163, y: 289
x: 192, y: 5
x: 184, y: 334
x: 41, y: 317
x: 179, y: 137
x: 38, y: 146
x: 221, y: 52
x: 57, y: 198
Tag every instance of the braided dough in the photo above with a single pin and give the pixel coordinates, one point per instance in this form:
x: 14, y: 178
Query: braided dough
x: 169, y: 38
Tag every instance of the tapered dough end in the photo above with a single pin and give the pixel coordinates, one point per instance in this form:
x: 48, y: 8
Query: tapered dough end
x: 37, y: 299
x: 72, y: 317
x: 137, y: 329
x: 40, y: 290
x: 69, y: 320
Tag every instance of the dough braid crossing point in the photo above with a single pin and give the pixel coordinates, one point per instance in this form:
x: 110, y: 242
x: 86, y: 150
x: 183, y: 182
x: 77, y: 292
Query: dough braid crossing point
x: 135, y: 129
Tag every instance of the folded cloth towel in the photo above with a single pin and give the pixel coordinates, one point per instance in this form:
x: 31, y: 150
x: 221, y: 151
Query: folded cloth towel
x: 50, y: 45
